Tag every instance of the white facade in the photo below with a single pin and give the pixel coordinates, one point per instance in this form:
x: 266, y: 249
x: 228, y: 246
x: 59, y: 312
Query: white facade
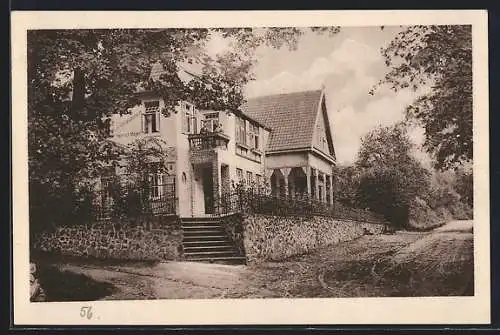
x: 209, y: 152
x: 189, y: 166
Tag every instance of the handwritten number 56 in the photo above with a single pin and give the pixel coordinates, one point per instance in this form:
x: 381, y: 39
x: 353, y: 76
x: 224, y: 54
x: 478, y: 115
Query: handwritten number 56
x: 86, y: 311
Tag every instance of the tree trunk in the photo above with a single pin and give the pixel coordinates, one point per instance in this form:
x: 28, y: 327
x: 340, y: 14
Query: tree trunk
x: 78, y: 99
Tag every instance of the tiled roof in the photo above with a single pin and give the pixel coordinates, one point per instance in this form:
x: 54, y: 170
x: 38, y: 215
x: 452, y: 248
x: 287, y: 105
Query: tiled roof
x: 291, y: 117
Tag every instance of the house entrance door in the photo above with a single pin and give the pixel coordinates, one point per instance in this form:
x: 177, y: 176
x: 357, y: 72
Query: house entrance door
x: 208, y: 190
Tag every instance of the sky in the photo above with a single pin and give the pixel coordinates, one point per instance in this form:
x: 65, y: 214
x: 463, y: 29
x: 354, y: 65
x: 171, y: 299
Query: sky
x: 348, y: 65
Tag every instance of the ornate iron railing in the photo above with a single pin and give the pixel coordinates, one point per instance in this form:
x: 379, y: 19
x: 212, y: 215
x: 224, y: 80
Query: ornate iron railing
x: 126, y: 200
x: 249, y: 201
x: 208, y: 141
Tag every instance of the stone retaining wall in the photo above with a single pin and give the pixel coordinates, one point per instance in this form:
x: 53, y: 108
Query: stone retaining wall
x: 160, y: 239
x: 233, y: 225
x: 275, y: 238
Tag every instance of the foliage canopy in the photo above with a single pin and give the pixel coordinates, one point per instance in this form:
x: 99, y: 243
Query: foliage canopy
x: 438, y: 60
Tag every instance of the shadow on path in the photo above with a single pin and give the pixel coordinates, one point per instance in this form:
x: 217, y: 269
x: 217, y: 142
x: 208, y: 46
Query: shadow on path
x: 69, y: 286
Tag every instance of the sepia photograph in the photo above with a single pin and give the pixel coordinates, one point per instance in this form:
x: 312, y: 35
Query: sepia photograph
x: 250, y: 162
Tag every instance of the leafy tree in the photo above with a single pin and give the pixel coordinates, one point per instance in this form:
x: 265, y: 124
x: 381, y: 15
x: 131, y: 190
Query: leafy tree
x: 78, y: 78
x: 390, y: 177
x: 438, y: 59
x: 347, y: 180
x: 464, y: 186
x: 144, y: 157
x: 130, y: 184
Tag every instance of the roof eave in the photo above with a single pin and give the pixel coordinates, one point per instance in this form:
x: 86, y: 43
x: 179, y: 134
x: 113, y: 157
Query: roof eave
x: 329, y: 138
x: 241, y: 113
x: 288, y: 150
x: 330, y: 158
x: 313, y: 150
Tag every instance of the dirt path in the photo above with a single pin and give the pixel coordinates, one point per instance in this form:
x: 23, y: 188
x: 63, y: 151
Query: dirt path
x: 349, y: 269
x: 456, y: 226
x: 304, y: 275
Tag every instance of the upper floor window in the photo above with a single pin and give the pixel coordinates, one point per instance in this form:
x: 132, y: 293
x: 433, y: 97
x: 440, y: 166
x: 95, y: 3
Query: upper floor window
x: 241, y: 131
x: 211, y: 121
x: 151, y: 117
x: 189, y: 124
x: 253, y: 132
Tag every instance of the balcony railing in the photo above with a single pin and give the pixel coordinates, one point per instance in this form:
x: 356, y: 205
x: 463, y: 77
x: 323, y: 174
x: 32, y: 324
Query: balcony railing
x: 208, y: 141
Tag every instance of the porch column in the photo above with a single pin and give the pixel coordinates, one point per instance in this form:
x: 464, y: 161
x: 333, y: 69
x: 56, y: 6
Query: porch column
x: 267, y: 178
x: 286, y: 173
x: 331, y: 189
x: 278, y: 184
x: 219, y: 180
x: 316, y: 184
x: 308, y: 175
x: 324, y: 187
x: 216, y: 176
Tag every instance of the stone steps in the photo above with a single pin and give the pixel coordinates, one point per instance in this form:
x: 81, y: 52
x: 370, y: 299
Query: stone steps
x: 200, y: 227
x: 235, y: 260
x: 220, y: 242
x: 195, y: 249
x: 204, y: 237
x: 205, y: 240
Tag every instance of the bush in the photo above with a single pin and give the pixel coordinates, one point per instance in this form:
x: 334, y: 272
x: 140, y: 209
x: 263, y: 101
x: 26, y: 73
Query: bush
x: 53, y: 205
x: 423, y: 217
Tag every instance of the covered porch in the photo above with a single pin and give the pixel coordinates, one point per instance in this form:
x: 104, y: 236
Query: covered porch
x: 301, y: 182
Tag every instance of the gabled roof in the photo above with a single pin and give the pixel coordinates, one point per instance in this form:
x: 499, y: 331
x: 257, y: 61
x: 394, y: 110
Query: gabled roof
x: 157, y: 69
x: 292, y: 118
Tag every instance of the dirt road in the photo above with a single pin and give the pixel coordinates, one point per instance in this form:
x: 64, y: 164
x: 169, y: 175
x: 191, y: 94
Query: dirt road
x: 402, y: 264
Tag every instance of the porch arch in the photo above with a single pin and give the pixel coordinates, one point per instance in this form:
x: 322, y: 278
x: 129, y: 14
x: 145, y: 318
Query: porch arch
x: 277, y: 183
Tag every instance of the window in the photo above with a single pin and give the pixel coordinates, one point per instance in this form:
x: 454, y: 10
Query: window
x: 258, y: 180
x: 189, y: 122
x: 239, y: 175
x: 211, y: 121
x: 253, y: 131
x: 151, y: 117
x: 107, y: 179
x: 156, y: 183
x: 241, y: 133
x: 321, y: 137
x: 249, y: 180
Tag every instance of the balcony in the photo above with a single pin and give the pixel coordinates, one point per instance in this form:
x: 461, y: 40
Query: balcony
x: 208, y: 141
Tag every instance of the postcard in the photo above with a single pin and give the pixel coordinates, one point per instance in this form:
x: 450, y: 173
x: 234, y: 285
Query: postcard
x: 250, y: 167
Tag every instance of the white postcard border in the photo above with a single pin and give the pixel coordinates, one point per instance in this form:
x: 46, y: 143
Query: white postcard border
x: 432, y: 310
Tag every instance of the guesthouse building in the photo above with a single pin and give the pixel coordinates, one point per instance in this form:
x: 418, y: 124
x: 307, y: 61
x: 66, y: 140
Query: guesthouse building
x: 284, y: 141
